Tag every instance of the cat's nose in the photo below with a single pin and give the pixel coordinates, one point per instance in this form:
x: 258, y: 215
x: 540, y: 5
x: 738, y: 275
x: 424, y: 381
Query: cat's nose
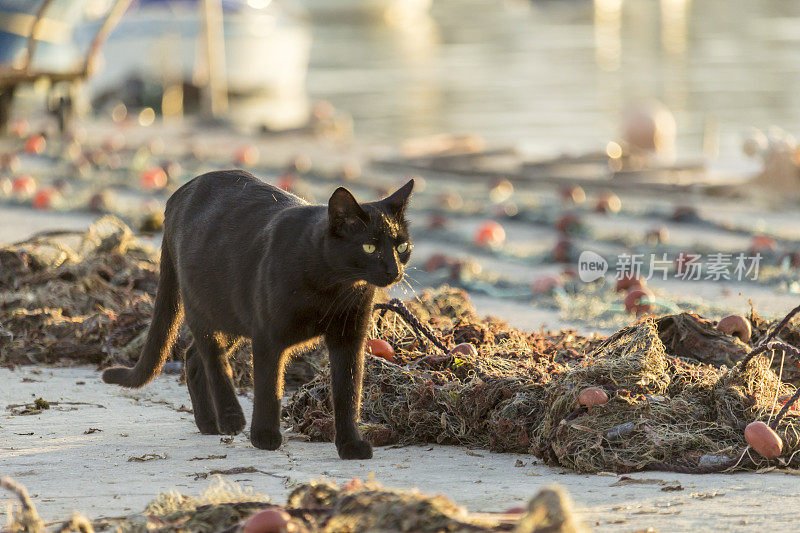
x: 393, y: 275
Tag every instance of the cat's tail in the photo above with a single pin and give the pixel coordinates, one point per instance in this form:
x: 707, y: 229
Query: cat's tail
x: 167, y: 318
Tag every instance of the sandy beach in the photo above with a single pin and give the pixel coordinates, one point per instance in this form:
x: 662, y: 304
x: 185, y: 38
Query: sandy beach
x: 604, y: 230
x: 77, y: 456
x: 81, y: 454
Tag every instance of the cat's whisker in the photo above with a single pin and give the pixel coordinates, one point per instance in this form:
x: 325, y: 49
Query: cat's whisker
x: 410, y: 276
x: 413, y: 292
x: 415, y: 280
x: 407, y: 284
x: 416, y: 296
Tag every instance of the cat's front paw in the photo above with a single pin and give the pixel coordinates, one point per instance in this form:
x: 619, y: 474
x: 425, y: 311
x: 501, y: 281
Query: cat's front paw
x: 266, y: 440
x: 207, y: 426
x: 232, y: 423
x: 356, y: 449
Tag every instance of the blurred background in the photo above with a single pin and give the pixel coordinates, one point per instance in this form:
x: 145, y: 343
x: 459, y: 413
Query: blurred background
x: 549, y: 74
x: 537, y: 130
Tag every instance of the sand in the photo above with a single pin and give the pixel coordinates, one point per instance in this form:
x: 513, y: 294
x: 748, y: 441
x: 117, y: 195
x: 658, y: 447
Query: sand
x: 77, y: 457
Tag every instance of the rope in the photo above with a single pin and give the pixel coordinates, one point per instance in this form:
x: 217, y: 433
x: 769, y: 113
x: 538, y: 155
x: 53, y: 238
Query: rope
x: 785, y: 409
x: 419, y: 328
x: 782, y: 324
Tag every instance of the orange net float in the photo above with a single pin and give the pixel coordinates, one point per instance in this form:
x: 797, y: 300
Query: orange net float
x: 35, y: 144
x: 546, y: 284
x: 154, y: 178
x: 465, y: 348
x: 763, y: 440
x: 44, y: 198
x: 639, y: 301
x: 246, y: 155
x: 630, y: 281
x: 592, y: 397
x: 380, y: 348
x: 737, y: 326
x: 24, y: 185
x: 268, y: 521
x: 490, y: 234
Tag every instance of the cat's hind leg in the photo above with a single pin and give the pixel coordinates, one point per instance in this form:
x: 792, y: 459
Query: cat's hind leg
x: 213, y: 349
x: 205, y: 415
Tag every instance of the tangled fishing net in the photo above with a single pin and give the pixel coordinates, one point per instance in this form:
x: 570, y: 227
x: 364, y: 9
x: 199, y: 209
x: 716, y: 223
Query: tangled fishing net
x: 70, y: 297
x: 75, y: 296
x: 677, y: 398
x: 315, y: 507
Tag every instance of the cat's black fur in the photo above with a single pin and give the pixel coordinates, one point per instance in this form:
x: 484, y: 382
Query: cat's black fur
x: 243, y: 259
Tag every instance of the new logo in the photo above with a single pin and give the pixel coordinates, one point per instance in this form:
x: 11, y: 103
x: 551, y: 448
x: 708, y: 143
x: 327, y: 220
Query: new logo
x: 591, y: 266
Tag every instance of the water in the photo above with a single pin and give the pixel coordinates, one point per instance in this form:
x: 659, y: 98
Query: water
x: 556, y: 75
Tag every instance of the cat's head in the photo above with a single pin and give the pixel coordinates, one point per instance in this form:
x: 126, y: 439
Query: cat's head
x: 369, y: 241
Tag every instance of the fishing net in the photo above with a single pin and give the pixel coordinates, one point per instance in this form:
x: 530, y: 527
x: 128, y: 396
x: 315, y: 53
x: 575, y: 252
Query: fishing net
x: 677, y: 398
x: 678, y: 394
x: 315, y: 507
x: 663, y: 412
x: 73, y: 297
x: 82, y: 297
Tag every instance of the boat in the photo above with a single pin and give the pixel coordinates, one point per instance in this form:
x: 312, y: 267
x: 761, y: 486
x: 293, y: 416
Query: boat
x: 162, y: 44
x: 266, y: 52
x: 54, y: 47
x: 38, y: 42
x: 266, y: 45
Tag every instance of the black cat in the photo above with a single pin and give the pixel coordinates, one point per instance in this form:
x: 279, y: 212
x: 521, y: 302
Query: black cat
x: 241, y: 258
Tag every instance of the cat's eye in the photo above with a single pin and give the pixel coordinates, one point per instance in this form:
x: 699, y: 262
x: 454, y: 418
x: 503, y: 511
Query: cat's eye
x: 402, y: 247
x: 369, y: 248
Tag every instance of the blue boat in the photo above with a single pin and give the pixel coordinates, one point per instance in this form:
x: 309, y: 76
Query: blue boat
x: 54, y: 45
x: 262, y: 49
x: 38, y: 39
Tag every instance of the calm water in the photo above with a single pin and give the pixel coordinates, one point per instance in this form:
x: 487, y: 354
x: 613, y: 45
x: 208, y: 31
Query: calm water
x: 557, y: 76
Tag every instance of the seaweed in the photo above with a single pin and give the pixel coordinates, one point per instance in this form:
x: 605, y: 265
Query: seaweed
x: 674, y: 400
x: 87, y: 297
x: 678, y: 396
x: 314, y: 507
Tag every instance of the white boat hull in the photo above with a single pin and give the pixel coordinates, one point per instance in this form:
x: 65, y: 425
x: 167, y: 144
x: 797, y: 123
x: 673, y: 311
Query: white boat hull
x: 263, y: 55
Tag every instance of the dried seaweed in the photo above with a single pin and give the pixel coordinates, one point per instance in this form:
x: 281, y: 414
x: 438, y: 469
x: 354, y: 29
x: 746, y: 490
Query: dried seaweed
x: 87, y: 297
x: 672, y: 400
x: 316, y: 507
x: 76, y: 297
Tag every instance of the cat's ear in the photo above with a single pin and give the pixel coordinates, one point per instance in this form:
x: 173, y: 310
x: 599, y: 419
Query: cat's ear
x: 344, y: 211
x: 397, y: 201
